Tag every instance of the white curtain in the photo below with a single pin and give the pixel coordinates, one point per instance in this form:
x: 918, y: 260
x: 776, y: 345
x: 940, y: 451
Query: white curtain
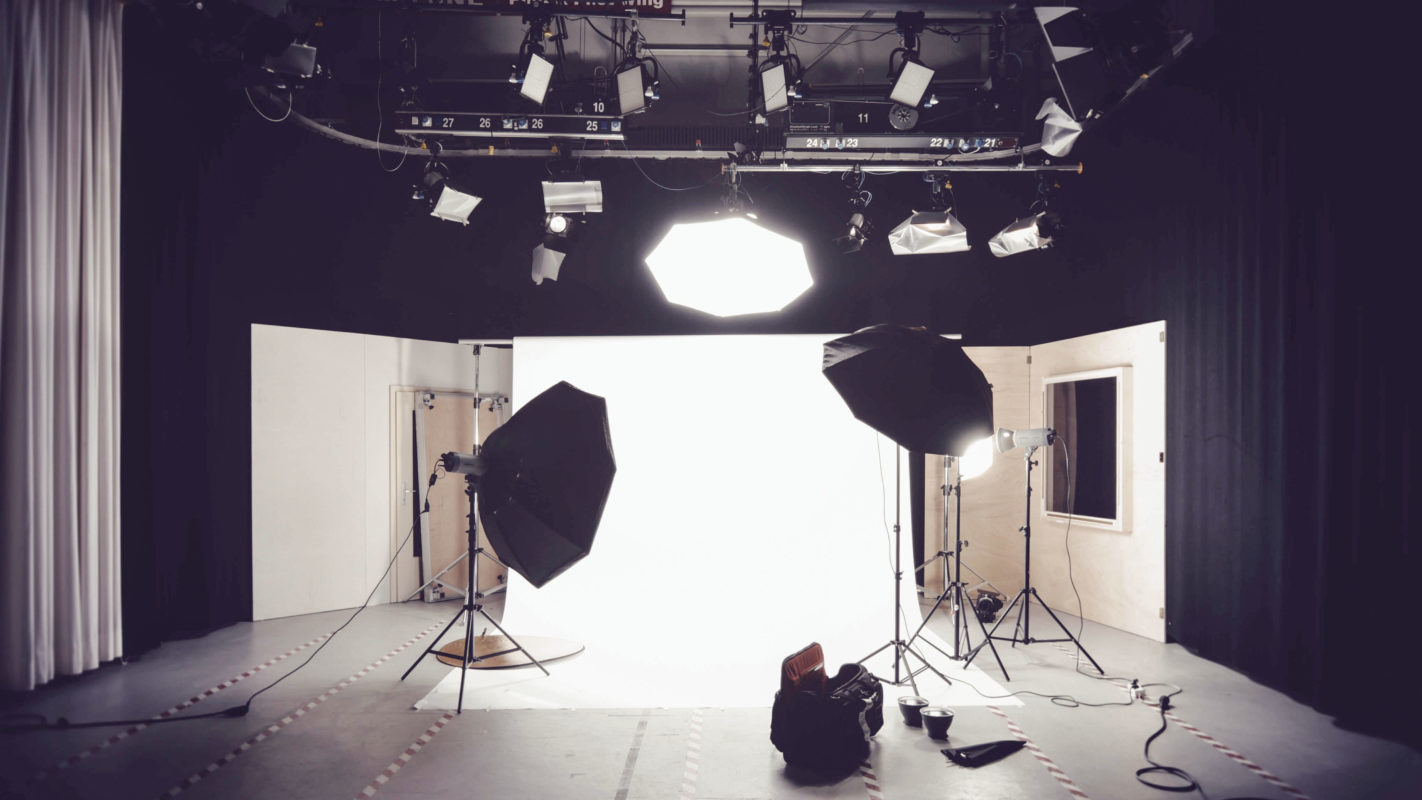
x: 60, y: 98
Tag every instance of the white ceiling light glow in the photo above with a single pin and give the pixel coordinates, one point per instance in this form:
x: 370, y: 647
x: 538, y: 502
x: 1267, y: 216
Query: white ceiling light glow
x: 911, y: 84
x: 536, y: 78
x: 729, y: 267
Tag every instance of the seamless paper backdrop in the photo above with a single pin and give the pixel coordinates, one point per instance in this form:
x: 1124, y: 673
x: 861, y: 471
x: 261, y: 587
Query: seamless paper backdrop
x: 751, y: 514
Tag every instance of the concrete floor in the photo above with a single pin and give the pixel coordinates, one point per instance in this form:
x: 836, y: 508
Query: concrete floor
x: 343, y: 728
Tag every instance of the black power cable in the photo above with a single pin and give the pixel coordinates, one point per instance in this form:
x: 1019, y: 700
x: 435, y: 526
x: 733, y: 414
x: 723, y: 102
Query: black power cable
x: 41, y: 722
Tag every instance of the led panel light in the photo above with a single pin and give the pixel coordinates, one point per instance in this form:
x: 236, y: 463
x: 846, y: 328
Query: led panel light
x: 772, y: 88
x: 454, y: 205
x: 729, y: 267
x: 911, y: 84
x: 631, y: 91
x: 536, y: 78
x: 572, y: 197
x: 929, y: 232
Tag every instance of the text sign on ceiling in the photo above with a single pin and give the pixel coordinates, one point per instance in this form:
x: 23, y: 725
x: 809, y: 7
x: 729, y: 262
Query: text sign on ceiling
x: 645, y: 8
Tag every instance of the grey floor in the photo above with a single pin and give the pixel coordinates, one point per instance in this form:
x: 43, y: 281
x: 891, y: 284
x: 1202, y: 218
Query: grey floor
x: 320, y: 734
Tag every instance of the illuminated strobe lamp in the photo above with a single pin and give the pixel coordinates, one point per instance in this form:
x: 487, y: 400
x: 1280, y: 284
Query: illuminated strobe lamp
x: 729, y: 266
x: 929, y: 232
x: 1033, y: 232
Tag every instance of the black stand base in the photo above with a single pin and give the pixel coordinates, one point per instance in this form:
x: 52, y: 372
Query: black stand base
x: 957, y: 591
x: 906, y: 675
x: 1022, y: 631
x: 472, y: 605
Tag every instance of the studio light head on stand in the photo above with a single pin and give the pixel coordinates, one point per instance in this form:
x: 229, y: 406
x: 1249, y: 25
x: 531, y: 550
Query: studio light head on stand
x: 1029, y: 440
x: 539, y: 485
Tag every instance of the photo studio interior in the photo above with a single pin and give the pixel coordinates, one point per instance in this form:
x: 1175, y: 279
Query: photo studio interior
x: 644, y: 399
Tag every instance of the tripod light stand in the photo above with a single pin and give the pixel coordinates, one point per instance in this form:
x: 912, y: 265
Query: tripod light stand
x: 457, y: 462
x: 1030, y: 440
x: 923, y: 392
x: 955, y: 590
x: 903, y: 671
x: 541, y: 481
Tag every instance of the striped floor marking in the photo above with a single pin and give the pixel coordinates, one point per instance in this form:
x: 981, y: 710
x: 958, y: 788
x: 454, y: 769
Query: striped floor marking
x: 871, y: 781
x: 625, y: 786
x: 404, y: 758
x: 1031, y: 746
x: 1213, y: 742
x: 1255, y: 768
x: 190, y: 702
x: 275, y: 728
x: 691, y: 772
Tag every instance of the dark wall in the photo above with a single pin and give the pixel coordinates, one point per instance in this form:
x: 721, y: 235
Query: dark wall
x: 1283, y: 511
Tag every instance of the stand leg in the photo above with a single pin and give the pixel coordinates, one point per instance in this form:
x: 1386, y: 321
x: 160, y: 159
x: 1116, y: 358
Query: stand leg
x: 433, y: 644
x: 1071, y: 638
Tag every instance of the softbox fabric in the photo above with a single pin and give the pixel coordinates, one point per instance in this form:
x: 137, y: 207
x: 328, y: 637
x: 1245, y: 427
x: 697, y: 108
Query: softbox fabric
x: 913, y: 386
x: 551, y: 468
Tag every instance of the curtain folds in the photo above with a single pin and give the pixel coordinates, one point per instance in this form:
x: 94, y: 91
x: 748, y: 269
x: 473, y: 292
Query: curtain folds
x: 60, y: 103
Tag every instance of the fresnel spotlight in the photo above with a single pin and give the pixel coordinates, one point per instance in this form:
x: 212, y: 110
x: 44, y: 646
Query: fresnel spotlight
x: 564, y: 203
x: 435, y: 192
x: 936, y: 231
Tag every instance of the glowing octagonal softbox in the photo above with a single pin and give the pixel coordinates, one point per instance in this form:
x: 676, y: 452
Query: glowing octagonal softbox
x: 729, y: 266
x: 550, y: 471
x: 913, y: 386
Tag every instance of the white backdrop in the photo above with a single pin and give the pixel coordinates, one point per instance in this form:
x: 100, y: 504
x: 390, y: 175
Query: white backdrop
x: 751, y: 514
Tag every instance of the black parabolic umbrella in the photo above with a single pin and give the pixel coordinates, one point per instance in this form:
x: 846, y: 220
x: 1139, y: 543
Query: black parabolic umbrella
x: 913, y: 386
x: 550, y: 471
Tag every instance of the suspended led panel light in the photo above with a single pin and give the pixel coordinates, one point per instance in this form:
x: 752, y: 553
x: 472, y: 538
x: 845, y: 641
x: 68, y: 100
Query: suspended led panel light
x: 929, y: 232
x: 773, y: 88
x: 911, y: 84
x: 536, y: 78
x: 631, y: 89
x: 729, y: 267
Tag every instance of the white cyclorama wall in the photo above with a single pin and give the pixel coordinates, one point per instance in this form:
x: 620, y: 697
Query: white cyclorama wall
x: 749, y: 516
x: 321, y: 456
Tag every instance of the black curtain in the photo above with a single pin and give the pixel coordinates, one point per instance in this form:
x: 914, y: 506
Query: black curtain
x: 186, y: 555
x: 1290, y: 534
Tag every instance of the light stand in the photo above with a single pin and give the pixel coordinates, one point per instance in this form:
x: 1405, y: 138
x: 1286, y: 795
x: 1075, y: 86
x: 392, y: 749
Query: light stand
x: 955, y: 589
x: 902, y: 648
x: 1028, y: 591
x: 472, y: 605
